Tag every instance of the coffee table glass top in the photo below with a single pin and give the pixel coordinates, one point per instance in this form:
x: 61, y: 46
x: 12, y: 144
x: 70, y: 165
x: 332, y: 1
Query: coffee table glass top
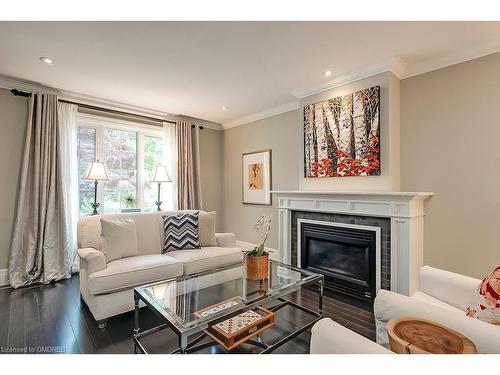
x: 197, y: 299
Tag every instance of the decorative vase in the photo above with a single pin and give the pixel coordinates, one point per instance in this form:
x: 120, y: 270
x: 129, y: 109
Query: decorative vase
x: 257, y: 267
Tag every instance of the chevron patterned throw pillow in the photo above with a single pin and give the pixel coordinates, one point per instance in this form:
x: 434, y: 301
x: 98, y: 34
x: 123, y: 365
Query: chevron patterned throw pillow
x: 181, y: 232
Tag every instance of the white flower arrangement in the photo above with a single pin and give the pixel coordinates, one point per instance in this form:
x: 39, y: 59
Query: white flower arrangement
x: 264, y: 224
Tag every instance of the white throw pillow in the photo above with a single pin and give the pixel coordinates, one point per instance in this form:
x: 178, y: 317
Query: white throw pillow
x: 119, y: 238
x: 206, y: 229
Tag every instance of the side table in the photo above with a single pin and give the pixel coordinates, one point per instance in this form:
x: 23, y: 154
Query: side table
x: 419, y: 336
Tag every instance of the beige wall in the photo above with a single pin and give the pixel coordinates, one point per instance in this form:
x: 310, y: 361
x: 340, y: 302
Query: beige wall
x: 450, y: 145
x: 13, y: 117
x: 283, y: 135
x: 211, y: 171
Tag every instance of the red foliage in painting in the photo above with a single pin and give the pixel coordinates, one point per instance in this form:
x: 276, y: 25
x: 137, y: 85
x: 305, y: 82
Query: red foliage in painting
x: 347, y: 166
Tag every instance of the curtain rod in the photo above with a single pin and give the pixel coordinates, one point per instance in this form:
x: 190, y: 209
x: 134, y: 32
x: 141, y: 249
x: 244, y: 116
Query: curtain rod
x: 114, y: 111
x: 17, y: 92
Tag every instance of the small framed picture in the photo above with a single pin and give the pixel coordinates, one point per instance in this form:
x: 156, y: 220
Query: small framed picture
x: 257, y: 178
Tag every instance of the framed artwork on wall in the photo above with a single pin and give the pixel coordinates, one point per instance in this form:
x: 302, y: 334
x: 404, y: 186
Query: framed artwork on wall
x: 257, y: 177
x: 342, y: 135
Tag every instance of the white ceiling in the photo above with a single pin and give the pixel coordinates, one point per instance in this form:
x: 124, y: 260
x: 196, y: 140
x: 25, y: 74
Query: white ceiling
x: 194, y: 68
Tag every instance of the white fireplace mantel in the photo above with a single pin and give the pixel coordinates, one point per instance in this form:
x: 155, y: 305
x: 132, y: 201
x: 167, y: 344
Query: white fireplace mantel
x: 405, y: 209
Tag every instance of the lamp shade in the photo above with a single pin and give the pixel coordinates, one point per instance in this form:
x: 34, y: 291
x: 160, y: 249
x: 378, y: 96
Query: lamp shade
x: 96, y: 171
x: 160, y: 174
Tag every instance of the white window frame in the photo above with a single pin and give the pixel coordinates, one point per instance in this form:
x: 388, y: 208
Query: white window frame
x: 143, y: 130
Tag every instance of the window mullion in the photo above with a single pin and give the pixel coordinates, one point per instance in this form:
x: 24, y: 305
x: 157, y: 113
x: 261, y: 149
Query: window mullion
x: 100, y: 156
x: 140, y: 169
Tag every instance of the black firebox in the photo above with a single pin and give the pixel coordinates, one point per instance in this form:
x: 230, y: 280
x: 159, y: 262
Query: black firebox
x: 345, y: 255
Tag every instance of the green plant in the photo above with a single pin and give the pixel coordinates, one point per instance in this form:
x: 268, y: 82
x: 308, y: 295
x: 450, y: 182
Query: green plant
x: 128, y: 200
x: 263, y: 225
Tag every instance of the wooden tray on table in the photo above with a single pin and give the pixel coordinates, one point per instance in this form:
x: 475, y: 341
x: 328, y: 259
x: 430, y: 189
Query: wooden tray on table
x: 236, y: 330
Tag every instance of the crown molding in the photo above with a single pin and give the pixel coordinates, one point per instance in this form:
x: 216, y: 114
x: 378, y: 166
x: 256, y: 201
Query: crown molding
x: 395, y: 65
x: 287, y: 107
x: 7, y: 82
x: 453, y: 58
x: 205, y: 123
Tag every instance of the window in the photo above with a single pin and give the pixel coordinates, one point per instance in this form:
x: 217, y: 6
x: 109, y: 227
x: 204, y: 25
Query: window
x: 130, y: 154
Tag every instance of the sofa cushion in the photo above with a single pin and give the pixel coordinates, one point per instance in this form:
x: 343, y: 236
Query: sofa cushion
x: 119, y: 238
x: 449, y: 287
x: 207, y: 258
x: 206, y: 229
x: 149, y: 226
x: 433, y: 301
x: 181, y: 232
x: 127, y: 273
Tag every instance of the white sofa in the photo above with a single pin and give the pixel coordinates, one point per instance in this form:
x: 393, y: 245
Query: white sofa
x: 107, y: 288
x: 442, y: 297
x: 329, y: 337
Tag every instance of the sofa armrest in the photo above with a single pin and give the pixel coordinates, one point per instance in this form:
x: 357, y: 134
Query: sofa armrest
x: 329, y: 337
x: 389, y: 305
x: 452, y: 288
x: 226, y: 239
x: 92, y: 260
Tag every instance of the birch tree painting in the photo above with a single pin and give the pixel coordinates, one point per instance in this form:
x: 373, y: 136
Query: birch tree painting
x: 342, y: 135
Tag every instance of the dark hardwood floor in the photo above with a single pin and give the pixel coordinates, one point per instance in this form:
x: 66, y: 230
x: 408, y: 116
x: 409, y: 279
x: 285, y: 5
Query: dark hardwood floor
x: 53, y: 318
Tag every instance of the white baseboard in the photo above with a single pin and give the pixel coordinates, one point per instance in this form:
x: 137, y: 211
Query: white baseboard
x: 4, y: 277
x: 247, y: 246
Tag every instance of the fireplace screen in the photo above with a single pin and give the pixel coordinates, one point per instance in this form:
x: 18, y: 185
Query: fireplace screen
x: 345, y: 255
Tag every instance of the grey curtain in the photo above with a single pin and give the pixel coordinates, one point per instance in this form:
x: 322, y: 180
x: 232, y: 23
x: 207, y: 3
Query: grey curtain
x: 187, y: 145
x: 39, y: 250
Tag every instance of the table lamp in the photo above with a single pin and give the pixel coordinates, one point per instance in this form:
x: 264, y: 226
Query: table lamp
x: 96, y: 171
x: 160, y: 174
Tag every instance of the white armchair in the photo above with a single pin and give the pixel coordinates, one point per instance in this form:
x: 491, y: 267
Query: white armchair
x: 442, y: 297
x: 329, y: 337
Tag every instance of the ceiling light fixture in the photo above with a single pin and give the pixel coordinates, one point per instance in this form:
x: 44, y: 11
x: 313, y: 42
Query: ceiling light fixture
x: 328, y: 73
x: 46, y: 60
x: 224, y: 108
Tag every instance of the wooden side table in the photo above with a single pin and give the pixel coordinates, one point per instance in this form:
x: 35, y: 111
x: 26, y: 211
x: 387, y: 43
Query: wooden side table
x: 419, y: 336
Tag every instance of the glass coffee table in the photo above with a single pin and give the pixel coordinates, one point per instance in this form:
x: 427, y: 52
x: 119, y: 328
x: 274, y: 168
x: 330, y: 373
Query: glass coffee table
x: 188, y: 305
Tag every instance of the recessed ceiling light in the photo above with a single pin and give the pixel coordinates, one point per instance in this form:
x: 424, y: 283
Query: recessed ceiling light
x: 224, y: 108
x: 328, y: 73
x: 46, y: 60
